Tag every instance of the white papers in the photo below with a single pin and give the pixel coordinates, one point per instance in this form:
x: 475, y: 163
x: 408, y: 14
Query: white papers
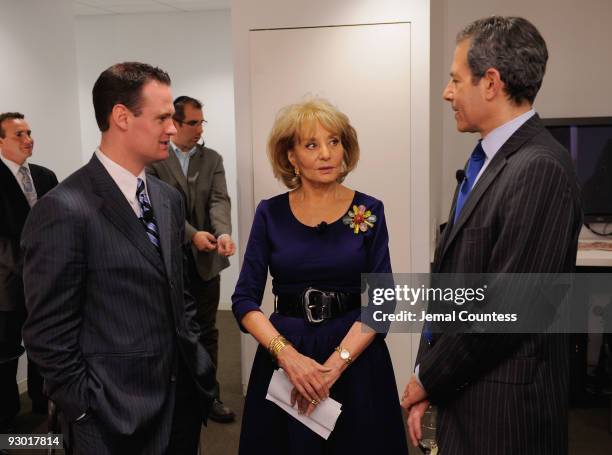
x: 322, y: 420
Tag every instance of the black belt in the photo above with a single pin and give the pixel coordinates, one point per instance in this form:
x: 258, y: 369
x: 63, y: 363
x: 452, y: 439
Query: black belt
x: 316, y: 306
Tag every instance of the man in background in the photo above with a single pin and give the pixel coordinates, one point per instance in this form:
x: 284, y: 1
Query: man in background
x: 109, y: 323
x: 197, y: 172
x: 22, y: 184
x: 517, y: 210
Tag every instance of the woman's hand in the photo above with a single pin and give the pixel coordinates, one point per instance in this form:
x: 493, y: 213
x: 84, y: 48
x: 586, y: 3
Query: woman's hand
x: 306, y: 375
x: 305, y: 406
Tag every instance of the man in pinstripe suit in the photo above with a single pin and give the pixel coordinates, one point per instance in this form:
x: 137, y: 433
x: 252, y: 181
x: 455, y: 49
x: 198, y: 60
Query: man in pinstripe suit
x: 108, y: 322
x: 517, y: 210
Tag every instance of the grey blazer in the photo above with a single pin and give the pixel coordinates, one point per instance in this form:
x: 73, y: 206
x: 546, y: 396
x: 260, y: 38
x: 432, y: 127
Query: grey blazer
x: 107, y: 314
x: 507, y: 394
x: 208, y: 205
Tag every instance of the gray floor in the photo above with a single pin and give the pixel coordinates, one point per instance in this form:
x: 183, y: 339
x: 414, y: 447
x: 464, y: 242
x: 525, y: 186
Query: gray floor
x: 589, y: 428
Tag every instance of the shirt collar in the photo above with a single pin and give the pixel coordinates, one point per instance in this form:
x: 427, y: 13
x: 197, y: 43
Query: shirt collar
x: 180, y: 153
x: 14, y: 167
x: 498, y: 137
x: 125, y: 180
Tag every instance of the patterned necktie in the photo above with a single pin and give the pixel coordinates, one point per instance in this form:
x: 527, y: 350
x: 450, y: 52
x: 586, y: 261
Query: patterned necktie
x: 28, y: 187
x: 147, y: 218
x: 475, y: 164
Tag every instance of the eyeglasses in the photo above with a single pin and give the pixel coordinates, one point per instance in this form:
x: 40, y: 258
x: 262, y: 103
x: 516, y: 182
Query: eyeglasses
x: 193, y: 123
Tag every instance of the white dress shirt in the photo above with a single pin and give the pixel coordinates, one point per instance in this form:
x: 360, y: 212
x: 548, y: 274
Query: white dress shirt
x: 125, y: 180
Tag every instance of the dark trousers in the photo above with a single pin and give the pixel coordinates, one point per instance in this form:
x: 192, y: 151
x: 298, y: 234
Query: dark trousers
x: 206, y: 295
x: 35, y: 385
x: 187, y: 419
x: 10, y: 347
x: 11, y: 323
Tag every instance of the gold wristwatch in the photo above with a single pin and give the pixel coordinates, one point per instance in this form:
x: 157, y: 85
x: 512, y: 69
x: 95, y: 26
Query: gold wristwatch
x: 344, y: 354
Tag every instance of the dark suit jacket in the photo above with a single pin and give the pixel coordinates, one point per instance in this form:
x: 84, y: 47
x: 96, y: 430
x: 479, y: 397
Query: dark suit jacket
x: 507, y: 394
x: 208, y: 204
x: 14, y: 209
x: 108, y: 317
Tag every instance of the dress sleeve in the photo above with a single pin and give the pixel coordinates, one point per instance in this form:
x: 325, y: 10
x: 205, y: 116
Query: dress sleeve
x: 379, y: 259
x: 254, y: 273
x: 380, y: 272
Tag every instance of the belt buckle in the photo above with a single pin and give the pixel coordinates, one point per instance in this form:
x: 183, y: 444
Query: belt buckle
x: 324, y: 307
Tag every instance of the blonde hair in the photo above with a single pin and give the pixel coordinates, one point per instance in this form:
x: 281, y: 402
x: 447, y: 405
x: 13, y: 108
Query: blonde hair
x: 302, y: 118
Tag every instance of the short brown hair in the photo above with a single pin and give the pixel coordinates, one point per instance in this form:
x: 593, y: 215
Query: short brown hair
x: 8, y: 116
x: 293, y: 120
x: 179, y: 106
x: 122, y: 84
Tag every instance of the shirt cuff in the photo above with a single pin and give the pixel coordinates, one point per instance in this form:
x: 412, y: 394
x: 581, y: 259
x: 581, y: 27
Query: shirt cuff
x: 416, y: 375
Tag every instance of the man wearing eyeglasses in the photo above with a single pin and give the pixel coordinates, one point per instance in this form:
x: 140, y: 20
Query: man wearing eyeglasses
x: 198, y: 173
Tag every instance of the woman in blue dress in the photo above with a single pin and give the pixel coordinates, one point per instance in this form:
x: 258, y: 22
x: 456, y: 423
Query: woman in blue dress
x: 316, y: 241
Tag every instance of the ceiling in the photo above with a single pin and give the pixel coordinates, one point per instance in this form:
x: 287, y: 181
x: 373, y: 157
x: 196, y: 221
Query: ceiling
x: 98, y: 7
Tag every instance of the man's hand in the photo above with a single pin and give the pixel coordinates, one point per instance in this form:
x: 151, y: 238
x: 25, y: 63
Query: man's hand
x: 413, y: 394
x: 415, y: 402
x: 204, y: 241
x: 225, y: 245
x: 414, y: 421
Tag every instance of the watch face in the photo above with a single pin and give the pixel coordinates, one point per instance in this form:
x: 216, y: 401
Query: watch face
x: 344, y: 354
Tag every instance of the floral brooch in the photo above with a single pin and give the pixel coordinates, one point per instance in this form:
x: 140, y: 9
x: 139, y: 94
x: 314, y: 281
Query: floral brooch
x: 359, y: 219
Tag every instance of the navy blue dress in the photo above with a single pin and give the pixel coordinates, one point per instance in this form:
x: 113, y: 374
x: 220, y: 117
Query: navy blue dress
x: 331, y: 259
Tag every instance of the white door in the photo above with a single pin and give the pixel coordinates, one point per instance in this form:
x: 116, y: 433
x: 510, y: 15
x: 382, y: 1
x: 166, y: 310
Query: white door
x: 365, y: 71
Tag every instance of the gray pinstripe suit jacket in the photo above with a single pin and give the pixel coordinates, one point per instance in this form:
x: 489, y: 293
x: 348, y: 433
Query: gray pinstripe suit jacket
x: 107, y: 314
x: 507, y: 394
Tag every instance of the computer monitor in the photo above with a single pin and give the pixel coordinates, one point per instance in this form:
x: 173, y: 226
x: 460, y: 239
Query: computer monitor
x: 589, y: 142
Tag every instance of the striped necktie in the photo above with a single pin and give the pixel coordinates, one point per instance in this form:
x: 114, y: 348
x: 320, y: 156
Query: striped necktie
x: 28, y: 187
x: 147, y: 218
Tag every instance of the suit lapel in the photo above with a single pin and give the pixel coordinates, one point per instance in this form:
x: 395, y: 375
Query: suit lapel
x: 36, y: 181
x: 12, y: 191
x: 529, y: 129
x: 161, y: 209
x: 119, y: 212
x: 177, y: 172
x: 193, y: 172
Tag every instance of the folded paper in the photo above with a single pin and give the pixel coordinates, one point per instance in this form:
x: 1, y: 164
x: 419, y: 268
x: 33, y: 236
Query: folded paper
x: 322, y: 420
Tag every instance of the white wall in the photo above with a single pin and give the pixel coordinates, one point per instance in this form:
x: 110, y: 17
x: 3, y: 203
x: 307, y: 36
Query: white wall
x: 38, y: 78
x: 577, y: 80
x: 195, y: 49
x: 263, y: 14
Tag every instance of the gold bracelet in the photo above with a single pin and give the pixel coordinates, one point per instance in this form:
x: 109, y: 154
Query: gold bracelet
x: 277, y: 344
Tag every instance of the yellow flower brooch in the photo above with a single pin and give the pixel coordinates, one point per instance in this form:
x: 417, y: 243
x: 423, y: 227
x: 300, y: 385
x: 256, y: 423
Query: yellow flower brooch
x: 359, y: 219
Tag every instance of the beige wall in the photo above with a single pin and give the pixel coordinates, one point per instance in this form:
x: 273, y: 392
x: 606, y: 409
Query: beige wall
x: 577, y: 82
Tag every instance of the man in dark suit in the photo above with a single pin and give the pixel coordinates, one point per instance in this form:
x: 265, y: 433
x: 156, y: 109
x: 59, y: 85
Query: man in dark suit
x: 197, y: 173
x: 21, y: 185
x: 517, y: 210
x: 108, y: 322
